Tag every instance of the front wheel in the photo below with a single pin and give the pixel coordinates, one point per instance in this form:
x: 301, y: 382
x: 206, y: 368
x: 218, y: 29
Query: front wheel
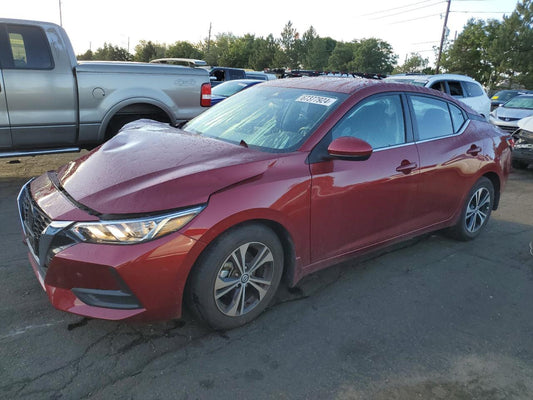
x: 236, y: 277
x: 476, y: 211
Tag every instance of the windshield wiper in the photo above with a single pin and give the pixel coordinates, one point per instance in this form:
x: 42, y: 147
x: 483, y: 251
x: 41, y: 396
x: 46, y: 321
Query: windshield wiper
x: 243, y: 143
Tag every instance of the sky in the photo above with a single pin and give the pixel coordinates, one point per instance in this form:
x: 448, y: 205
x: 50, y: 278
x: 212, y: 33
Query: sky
x: 409, y: 26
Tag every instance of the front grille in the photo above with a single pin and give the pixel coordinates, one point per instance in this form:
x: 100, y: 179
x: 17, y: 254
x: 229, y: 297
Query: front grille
x: 506, y: 119
x: 508, y: 129
x: 34, y: 219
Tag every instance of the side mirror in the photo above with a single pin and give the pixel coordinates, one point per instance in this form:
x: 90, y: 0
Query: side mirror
x: 350, y: 148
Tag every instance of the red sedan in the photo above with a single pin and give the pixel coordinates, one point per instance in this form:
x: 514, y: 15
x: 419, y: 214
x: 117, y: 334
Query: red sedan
x: 282, y: 179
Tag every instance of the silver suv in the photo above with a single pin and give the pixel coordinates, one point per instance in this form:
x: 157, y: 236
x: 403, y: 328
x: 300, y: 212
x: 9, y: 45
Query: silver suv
x: 462, y: 87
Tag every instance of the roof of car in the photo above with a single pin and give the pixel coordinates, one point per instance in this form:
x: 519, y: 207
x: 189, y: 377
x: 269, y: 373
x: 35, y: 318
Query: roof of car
x: 427, y: 77
x: 352, y: 85
x: 349, y: 85
x: 332, y: 84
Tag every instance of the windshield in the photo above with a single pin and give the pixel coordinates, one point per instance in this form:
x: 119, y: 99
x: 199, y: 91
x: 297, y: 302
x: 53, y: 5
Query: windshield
x: 520, y: 102
x: 267, y: 118
x: 229, y: 88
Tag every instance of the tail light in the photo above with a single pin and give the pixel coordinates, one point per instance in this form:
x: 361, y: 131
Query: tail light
x: 205, y: 100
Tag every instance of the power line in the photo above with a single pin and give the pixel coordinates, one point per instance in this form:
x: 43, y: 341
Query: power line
x: 415, y: 19
x: 396, y: 8
x: 408, y: 11
x: 482, y: 12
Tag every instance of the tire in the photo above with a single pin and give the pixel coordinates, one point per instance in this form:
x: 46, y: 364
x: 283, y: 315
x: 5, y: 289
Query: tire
x: 519, y: 164
x: 225, y: 295
x: 476, y: 211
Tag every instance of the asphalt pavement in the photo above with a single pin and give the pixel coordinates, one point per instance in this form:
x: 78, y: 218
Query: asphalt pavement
x: 433, y: 319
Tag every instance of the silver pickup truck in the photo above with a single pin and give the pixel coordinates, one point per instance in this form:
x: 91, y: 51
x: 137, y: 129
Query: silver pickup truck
x: 49, y: 102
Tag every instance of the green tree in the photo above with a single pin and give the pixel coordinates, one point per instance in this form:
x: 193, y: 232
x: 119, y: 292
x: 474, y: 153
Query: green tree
x: 342, y: 56
x: 87, y: 56
x: 183, y: 49
x: 148, y: 50
x: 468, y: 54
x: 512, y: 48
x: 290, y: 46
x: 315, y: 51
x: 241, y: 51
x: 413, y: 63
x: 220, y: 52
x: 320, y: 51
x: 264, y: 53
x: 111, y: 53
x: 373, y: 56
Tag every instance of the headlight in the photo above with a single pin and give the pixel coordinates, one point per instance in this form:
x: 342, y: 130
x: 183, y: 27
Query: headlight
x: 133, y: 231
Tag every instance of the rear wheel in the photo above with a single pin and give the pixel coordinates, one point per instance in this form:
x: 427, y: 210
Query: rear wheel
x: 236, y: 277
x: 476, y: 211
x: 132, y: 113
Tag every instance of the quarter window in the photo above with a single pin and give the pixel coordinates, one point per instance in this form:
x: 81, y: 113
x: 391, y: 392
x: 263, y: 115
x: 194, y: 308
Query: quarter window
x: 472, y: 89
x: 29, y: 48
x: 378, y: 121
x: 458, y: 117
x: 432, y: 117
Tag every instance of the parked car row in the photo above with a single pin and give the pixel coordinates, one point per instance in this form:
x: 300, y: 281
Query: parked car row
x: 503, y: 96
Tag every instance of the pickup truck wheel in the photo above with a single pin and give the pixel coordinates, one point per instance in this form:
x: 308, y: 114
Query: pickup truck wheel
x: 119, y: 120
x: 236, y: 277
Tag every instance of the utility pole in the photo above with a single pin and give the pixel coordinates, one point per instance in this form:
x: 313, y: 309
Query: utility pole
x: 209, y: 39
x: 60, y: 14
x: 443, y: 36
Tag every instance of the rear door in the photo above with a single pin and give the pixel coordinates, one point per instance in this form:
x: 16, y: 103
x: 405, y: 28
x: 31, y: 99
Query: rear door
x: 41, y: 96
x: 451, y: 154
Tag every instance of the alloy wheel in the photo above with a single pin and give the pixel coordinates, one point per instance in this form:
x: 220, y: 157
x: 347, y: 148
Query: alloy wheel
x: 478, y: 210
x: 244, y: 279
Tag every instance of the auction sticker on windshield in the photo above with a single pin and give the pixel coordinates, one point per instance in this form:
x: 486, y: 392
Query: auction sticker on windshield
x: 314, y: 99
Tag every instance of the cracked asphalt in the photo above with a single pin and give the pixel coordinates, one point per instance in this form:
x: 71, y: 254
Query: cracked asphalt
x: 433, y: 319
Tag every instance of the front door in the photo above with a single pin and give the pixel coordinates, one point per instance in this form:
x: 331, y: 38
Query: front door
x: 358, y: 204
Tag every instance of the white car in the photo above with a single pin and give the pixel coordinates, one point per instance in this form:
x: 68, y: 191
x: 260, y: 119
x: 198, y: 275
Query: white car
x: 462, y: 87
x: 507, y: 115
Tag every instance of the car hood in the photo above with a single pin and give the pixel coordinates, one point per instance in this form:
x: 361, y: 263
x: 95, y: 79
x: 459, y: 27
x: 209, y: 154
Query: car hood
x: 150, y: 167
x: 514, y: 113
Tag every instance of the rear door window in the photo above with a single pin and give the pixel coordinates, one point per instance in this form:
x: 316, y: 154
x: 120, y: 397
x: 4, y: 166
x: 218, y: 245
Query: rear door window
x: 440, y: 86
x: 29, y: 48
x: 432, y: 117
x: 456, y: 90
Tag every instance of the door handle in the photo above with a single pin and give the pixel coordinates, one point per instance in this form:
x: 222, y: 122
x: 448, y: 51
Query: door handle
x: 406, y: 167
x: 474, y: 150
